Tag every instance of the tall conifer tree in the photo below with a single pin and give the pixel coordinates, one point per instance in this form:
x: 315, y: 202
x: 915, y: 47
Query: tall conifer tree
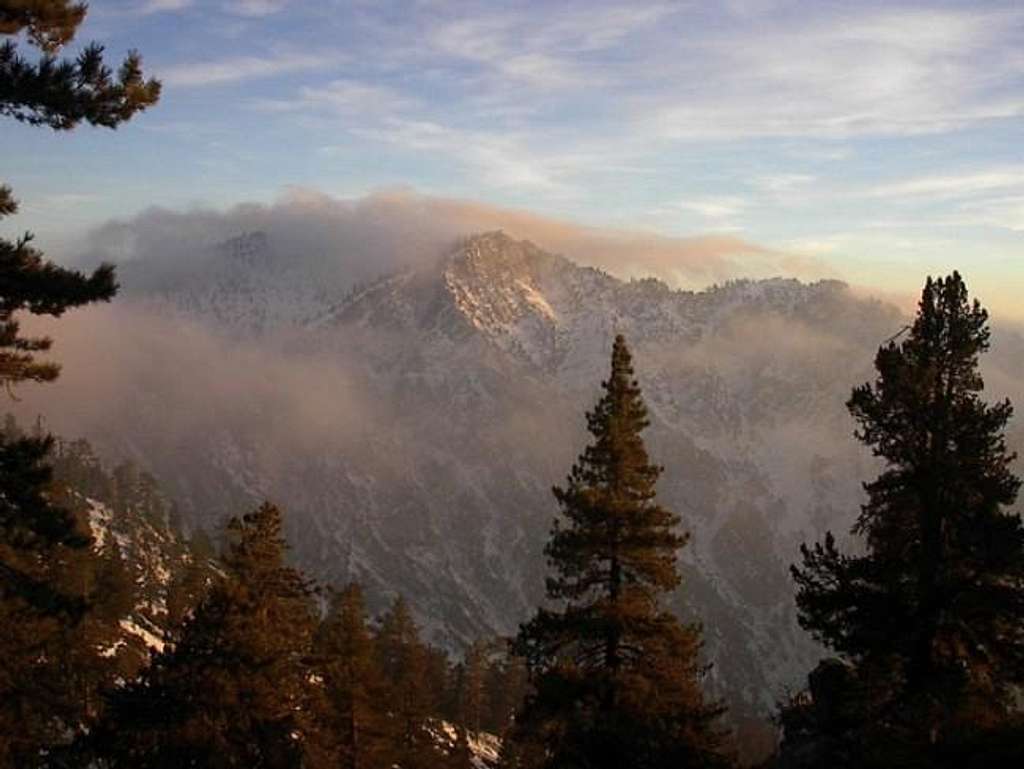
x: 355, y: 704
x: 405, y: 662
x: 931, y: 614
x: 616, y: 677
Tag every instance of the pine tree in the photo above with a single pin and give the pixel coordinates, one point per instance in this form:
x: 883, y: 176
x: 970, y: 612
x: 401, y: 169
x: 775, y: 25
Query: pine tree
x: 616, y: 677
x: 931, y: 615
x: 471, y: 687
x: 59, y: 94
x: 186, y: 592
x: 404, y: 661
x: 34, y: 533
x: 37, y: 538
x: 354, y: 711
x: 234, y: 690
x: 505, y: 688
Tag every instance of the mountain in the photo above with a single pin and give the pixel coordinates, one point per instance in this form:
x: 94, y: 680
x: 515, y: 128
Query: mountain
x: 244, y: 284
x: 412, y: 427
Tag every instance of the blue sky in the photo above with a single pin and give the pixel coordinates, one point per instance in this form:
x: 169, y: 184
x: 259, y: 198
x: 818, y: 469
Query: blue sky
x: 886, y: 139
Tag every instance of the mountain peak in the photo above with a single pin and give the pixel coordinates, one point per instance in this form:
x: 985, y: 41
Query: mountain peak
x: 496, y: 281
x: 553, y: 313
x: 496, y: 255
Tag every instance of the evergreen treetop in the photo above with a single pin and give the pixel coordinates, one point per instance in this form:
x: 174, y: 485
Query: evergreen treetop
x: 616, y: 677
x: 932, y: 613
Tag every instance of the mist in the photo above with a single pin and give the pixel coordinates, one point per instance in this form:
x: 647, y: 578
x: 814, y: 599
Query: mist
x: 142, y: 378
x: 377, y: 234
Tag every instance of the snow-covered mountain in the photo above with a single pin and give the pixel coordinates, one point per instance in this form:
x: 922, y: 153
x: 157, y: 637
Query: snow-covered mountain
x: 244, y: 284
x: 473, y: 374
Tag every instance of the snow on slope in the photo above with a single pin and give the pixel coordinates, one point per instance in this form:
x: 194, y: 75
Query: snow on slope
x: 153, y: 556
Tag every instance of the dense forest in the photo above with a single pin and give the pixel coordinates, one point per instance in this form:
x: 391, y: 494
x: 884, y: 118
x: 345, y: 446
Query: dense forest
x: 127, y: 641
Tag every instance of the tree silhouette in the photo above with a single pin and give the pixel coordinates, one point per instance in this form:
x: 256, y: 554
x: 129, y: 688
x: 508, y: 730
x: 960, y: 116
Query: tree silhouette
x: 931, y: 614
x: 616, y: 677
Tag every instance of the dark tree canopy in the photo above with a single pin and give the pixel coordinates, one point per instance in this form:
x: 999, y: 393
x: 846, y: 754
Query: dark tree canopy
x: 49, y: 23
x: 616, y: 677
x: 931, y: 614
x: 60, y: 94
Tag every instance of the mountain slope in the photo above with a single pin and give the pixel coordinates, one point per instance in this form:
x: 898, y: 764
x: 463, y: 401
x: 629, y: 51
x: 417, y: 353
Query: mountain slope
x: 412, y: 428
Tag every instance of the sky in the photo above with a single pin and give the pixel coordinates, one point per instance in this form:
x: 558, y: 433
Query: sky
x: 885, y: 139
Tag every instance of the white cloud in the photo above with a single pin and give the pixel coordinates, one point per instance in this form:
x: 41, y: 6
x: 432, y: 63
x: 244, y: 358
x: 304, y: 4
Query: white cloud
x: 163, y: 6
x: 827, y: 154
x: 255, y: 8
x: 342, y: 97
x: 544, y: 71
x: 724, y: 207
x: 543, y: 49
x: 1003, y: 212
x: 241, y: 68
x: 593, y: 28
x: 814, y: 246
x: 950, y: 186
x: 495, y: 159
x: 782, y: 183
x: 896, y: 72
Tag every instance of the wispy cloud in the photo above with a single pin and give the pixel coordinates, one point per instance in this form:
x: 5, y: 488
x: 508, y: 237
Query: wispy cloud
x: 899, y: 72
x: 1003, y: 212
x: 496, y: 159
x: 718, y: 208
x: 783, y: 183
x: 949, y: 186
x: 255, y: 8
x: 342, y: 97
x: 163, y: 6
x: 236, y: 69
x: 544, y: 49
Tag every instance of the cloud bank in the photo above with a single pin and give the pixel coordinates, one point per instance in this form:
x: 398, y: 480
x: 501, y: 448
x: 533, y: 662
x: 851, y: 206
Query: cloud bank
x: 382, y: 232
